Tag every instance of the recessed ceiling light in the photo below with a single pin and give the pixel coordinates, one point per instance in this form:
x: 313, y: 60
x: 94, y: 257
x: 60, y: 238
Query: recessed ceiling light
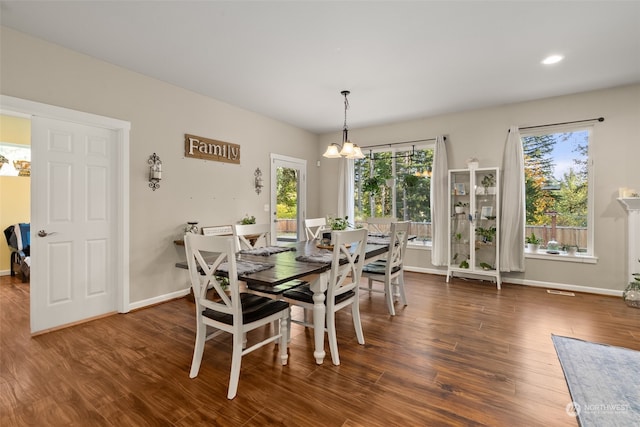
x: 552, y: 59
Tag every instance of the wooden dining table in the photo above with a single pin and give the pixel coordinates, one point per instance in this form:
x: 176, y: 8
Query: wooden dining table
x: 287, y: 268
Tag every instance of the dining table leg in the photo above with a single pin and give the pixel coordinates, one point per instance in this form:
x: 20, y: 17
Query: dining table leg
x: 319, y: 286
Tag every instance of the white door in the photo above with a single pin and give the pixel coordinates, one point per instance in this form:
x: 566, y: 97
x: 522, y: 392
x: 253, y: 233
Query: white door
x: 298, y: 169
x: 73, y: 223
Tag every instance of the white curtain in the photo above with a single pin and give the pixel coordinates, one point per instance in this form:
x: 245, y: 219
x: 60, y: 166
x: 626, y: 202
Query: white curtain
x: 513, y: 208
x: 439, y: 204
x: 345, y: 189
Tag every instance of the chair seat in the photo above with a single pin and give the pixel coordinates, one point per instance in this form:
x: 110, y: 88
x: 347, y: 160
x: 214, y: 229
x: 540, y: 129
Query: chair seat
x: 305, y: 294
x: 275, y: 290
x: 379, y: 268
x: 254, y: 308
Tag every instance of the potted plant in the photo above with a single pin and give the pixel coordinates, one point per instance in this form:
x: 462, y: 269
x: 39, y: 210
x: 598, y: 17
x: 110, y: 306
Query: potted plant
x: 533, y: 243
x: 248, y: 220
x: 334, y: 223
x: 459, y: 207
x: 373, y: 184
x: 488, y: 181
x: 410, y: 180
x: 487, y: 234
x: 569, y: 249
x: 631, y: 294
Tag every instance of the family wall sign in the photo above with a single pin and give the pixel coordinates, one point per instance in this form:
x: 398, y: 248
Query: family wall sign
x: 210, y: 149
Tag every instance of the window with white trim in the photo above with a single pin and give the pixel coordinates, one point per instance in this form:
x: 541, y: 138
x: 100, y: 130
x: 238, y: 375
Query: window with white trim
x: 559, y: 188
x: 396, y: 182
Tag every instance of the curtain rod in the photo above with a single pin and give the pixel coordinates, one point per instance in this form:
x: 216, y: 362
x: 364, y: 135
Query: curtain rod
x: 402, y: 143
x: 600, y: 119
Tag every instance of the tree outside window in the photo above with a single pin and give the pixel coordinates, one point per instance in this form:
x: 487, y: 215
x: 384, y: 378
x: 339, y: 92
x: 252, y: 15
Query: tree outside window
x: 396, y: 183
x: 557, y: 187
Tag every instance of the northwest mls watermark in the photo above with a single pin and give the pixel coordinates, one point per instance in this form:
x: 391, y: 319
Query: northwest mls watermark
x: 574, y: 408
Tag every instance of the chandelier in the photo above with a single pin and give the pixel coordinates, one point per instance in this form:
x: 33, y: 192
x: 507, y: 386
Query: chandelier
x: 347, y: 149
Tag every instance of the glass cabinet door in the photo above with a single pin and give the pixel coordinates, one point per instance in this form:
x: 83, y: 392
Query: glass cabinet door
x: 460, y: 254
x: 485, y: 216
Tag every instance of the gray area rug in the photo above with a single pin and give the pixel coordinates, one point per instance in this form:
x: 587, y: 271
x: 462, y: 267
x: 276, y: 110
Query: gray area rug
x: 604, y: 382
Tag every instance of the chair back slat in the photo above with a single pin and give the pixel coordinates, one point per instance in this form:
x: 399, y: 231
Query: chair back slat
x: 380, y: 224
x: 314, y: 226
x: 251, y: 236
x: 399, y: 236
x: 347, y: 262
x: 202, y: 271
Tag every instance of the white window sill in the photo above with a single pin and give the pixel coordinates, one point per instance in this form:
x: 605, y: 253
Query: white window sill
x: 542, y: 254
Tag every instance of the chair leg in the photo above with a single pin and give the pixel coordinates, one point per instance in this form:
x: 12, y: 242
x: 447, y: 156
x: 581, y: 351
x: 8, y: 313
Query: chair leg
x: 388, y: 295
x: 333, y: 338
x: 284, y: 338
x: 198, y: 349
x: 236, y: 361
x: 357, y: 324
x: 403, y: 297
x: 288, y: 322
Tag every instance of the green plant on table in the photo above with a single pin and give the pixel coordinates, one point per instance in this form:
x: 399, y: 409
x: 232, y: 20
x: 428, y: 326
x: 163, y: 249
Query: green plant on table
x: 248, y: 220
x: 338, y: 223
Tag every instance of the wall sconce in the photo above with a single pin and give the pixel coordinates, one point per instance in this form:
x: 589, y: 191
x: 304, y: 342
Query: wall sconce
x: 257, y: 181
x: 155, y: 171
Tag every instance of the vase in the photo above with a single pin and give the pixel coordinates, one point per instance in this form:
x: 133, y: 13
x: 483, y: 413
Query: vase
x: 631, y: 295
x: 326, y: 238
x: 191, y: 227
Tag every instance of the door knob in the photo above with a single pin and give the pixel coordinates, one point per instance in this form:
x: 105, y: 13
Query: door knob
x: 43, y: 233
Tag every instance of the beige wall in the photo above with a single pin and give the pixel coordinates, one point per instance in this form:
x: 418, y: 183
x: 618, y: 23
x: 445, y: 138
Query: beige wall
x: 160, y: 114
x: 482, y: 134
x: 15, y: 191
x: 214, y: 193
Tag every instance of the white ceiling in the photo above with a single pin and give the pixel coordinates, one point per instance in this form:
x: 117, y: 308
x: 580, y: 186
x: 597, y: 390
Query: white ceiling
x: 400, y: 60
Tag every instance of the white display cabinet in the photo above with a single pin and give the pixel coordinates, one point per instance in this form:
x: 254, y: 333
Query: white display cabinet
x: 474, y: 218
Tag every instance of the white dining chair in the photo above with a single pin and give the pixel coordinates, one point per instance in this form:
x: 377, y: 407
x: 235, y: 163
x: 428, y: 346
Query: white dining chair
x: 251, y: 236
x: 314, y: 226
x: 229, y: 310
x: 342, y: 290
x: 390, y: 271
x: 379, y: 225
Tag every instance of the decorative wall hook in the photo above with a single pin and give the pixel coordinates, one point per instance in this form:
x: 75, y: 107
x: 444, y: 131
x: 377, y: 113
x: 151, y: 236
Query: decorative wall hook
x: 155, y: 171
x: 257, y: 182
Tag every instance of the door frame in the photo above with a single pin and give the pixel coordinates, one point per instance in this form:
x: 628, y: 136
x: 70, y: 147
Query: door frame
x: 278, y: 160
x: 9, y: 105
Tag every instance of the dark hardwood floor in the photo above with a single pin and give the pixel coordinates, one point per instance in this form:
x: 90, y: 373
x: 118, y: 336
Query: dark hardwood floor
x: 460, y: 354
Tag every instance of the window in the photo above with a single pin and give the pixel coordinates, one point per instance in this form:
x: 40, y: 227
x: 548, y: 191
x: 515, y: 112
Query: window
x: 558, y: 188
x: 395, y: 182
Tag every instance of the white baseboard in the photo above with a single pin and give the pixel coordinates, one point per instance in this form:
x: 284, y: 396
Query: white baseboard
x: 534, y: 283
x: 159, y: 299
x: 567, y: 287
x: 5, y: 272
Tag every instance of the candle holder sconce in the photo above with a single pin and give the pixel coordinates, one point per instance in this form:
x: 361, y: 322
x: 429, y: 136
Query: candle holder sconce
x: 257, y: 181
x: 155, y: 171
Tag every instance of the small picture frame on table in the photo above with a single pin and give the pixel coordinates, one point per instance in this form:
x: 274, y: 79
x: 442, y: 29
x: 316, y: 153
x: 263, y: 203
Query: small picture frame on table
x: 486, y: 212
x: 459, y: 189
